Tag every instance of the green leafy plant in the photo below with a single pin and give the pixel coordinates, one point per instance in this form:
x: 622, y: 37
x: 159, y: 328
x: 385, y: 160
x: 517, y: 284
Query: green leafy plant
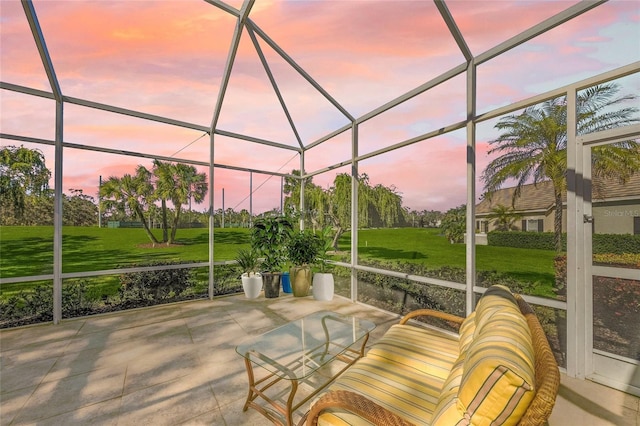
x: 326, y: 244
x: 303, y: 248
x: 269, y: 237
x: 248, y: 260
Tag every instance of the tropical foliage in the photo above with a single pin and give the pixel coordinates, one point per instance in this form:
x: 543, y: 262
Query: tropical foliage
x: 248, y: 261
x: 325, y: 244
x: 131, y: 194
x: 303, y: 248
x: 453, y: 224
x: 269, y: 238
x: 167, y: 182
x: 22, y: 173
x: 532, y: 146
x: 504, y: 217
x: 178, y: 183
x: 378, y: 206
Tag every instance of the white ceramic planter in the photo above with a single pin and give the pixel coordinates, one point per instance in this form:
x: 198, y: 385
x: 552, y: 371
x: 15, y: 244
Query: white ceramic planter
x: 322, y: 288
x: 252, y: 285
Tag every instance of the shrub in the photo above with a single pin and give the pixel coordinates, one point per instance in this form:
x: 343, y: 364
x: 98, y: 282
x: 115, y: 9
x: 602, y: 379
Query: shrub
x: 37, y: 305
x: 227, y: 279
x: 628, y: 260
x: 155, y: 285
x: 530, y: 240
x: 602, y: 243
x: 616, y: 243
x: 411, y: 294
x: 560, y: 265
x: 303, y: 248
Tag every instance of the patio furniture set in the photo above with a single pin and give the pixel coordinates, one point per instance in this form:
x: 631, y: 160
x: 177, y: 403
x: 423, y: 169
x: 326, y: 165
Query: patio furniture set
x: 497, y: 369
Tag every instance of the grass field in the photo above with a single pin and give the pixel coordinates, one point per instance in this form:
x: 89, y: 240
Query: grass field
x: 28, y: 251
x: 426, y: 246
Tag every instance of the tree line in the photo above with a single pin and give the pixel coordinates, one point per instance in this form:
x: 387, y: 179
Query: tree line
x: 379, y: 206
x: 157, y: 197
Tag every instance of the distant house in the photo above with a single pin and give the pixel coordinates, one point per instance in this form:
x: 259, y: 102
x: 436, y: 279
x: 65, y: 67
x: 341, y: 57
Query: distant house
x: 616, y: 207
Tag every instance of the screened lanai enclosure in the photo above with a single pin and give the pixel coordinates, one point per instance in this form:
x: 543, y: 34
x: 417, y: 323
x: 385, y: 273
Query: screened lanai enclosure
x: 444, y: 146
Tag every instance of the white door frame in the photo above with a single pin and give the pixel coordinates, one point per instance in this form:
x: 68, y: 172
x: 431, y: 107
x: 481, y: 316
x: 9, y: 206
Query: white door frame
x: 609, y: 369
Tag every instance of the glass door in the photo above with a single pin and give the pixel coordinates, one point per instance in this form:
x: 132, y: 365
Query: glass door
x: 612, y: 240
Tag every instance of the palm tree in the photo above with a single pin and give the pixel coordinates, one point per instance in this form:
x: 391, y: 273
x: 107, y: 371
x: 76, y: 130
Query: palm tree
x: 133, y: 192
x: 178, y: 183
x: 504, y: 217
x: 162, y: 174
x: 533, y: 144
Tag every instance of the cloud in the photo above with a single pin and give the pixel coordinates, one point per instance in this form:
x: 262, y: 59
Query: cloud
x: 168, y: 58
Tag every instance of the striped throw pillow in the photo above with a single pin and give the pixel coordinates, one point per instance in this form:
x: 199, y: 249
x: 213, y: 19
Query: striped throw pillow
x: 497, y: 383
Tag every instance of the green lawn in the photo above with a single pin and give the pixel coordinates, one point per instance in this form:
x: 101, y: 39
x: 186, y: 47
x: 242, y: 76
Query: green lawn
x: 28, y: 251
x: 426, y: 246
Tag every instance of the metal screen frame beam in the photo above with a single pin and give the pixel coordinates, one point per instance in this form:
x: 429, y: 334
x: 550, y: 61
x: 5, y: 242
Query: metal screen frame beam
x: 541, y: 28
x: 256, y: 140
x: 233, y: 50
x: 222, y: 5
x: 354, y: 213
x: 448, y: 75
x: 454, y: 30
x: 300, y: 70
x: 471, y: 187
x: 41, y: 44
x: 274, y: 85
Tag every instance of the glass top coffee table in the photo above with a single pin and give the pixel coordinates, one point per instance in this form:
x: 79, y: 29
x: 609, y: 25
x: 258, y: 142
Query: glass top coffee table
x: 295, y: 352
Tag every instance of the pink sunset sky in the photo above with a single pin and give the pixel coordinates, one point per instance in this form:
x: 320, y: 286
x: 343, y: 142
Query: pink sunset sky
x: 168, y: 57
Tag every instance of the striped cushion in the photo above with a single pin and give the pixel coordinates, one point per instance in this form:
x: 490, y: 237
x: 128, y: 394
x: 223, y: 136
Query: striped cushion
x: 497, y: 298
x: 467, y: 331
x: 403, y: 372
x: 497, y: 384
x: 427, y: 350
x: 448, y: 411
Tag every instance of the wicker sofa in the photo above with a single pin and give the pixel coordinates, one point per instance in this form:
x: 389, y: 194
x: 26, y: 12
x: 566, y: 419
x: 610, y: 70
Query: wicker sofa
x: 498, y: 369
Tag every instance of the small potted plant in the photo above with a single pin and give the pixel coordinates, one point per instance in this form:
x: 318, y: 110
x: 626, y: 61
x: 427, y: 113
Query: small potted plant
x: 269, y: 237
x: 303, y: 249
x: 323, y: 283
x: 251, y: 278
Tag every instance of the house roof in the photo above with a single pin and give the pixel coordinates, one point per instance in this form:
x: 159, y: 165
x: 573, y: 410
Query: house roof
x: 540, y: 197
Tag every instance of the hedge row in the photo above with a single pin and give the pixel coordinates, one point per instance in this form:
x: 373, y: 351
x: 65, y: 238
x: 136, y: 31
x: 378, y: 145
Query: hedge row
x: 136, y: 289
x: 602, y: 243
x: 530, y: 240
x: 616, y: 243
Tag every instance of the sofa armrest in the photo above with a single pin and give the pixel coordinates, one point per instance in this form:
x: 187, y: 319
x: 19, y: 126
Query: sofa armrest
x: 434, y: 314
x: 351, y: 402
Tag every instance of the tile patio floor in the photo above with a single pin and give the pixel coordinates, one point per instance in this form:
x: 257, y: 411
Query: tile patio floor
x: 176, y: 364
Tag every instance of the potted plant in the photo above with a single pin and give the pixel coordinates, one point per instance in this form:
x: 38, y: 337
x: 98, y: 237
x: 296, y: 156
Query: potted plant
x: 251, y: 278
x: 303, y: 249
x: 268, y: 238
x: 323, y: 283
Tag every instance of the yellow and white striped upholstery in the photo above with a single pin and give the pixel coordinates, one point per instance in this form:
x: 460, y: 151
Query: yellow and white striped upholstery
x: 497, y: 382
x: 404, y: 372
x: 467, y: 331
x: 429, y: 377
